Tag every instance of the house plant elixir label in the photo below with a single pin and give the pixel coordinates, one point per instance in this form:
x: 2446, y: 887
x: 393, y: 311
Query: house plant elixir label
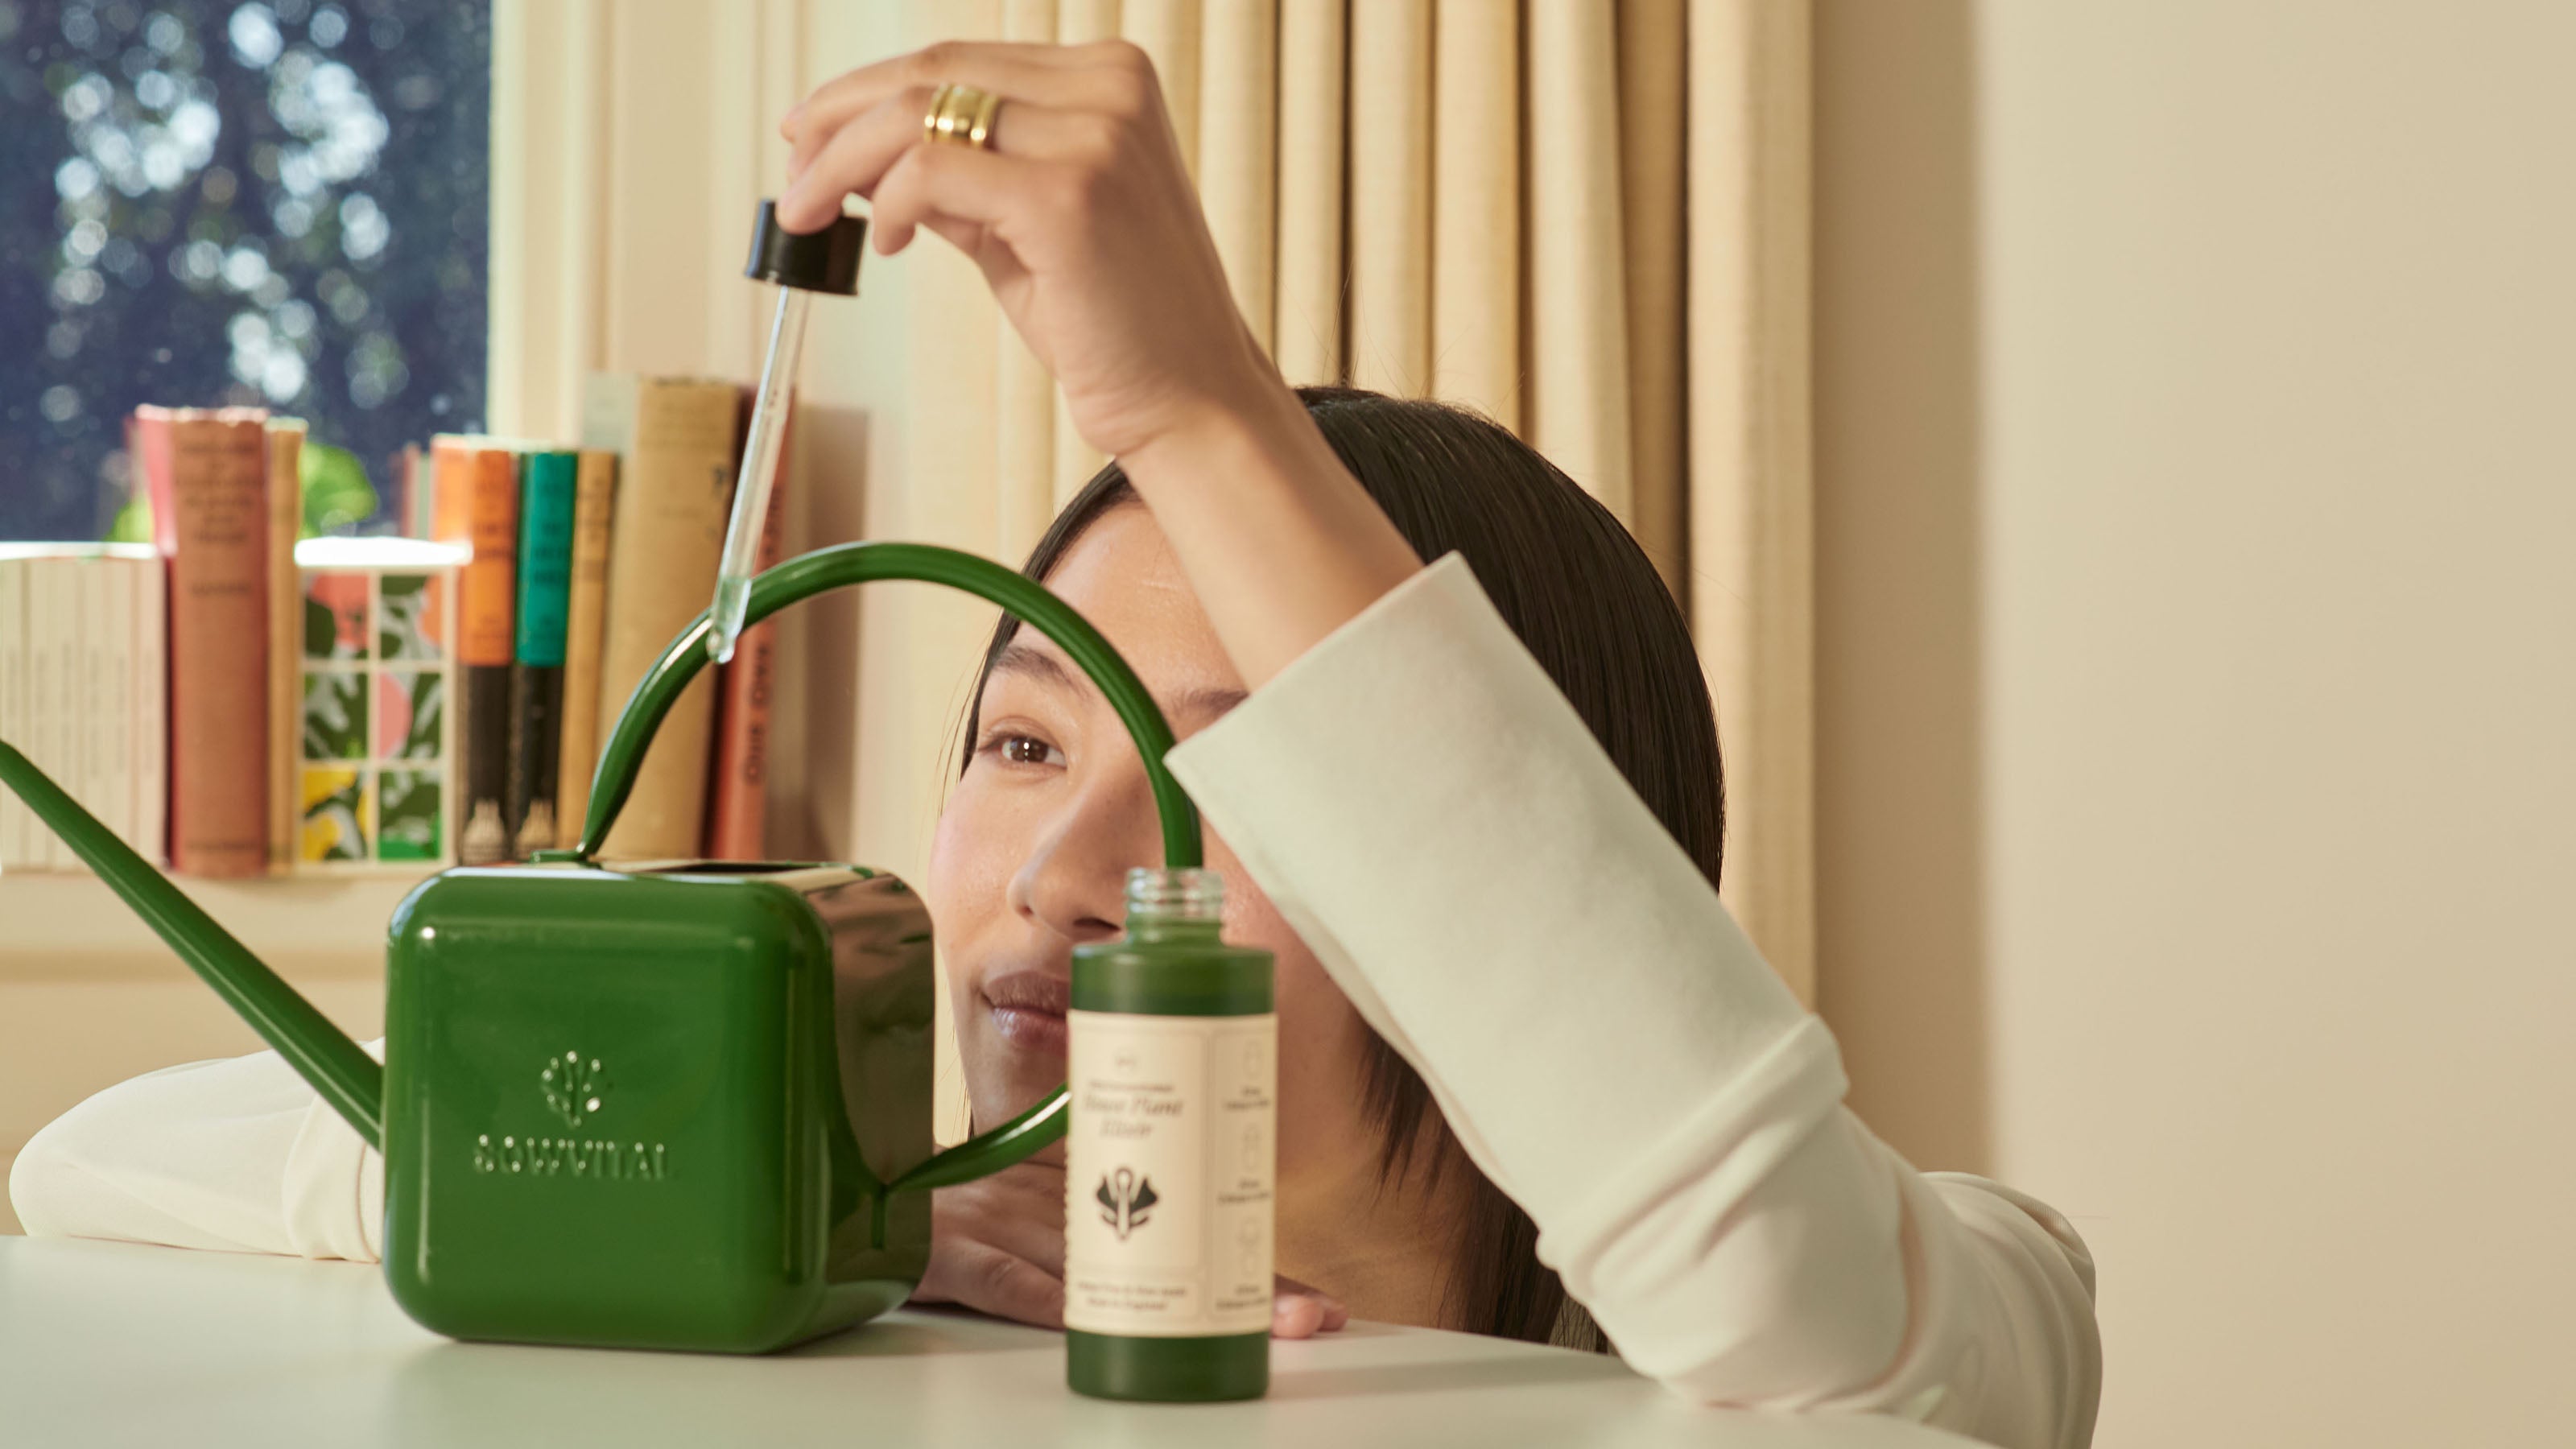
x: 1168, y: 1172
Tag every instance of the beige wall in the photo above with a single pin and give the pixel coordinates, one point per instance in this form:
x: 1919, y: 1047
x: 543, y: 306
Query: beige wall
x: 2197, y: 534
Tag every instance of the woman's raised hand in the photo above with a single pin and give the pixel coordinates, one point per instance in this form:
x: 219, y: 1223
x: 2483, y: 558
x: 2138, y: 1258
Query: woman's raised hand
x: 1083, y: 220
x: 1080, y: 214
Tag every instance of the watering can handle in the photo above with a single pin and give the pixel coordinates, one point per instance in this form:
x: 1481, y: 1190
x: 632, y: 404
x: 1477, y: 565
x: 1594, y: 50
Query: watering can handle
x: 802, y: 577
x: 858, y: 563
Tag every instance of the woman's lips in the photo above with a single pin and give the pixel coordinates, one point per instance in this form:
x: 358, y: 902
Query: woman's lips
x: 1028, y: 1009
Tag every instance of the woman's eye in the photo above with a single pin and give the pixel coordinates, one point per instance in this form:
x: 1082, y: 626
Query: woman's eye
x: 1022, y: 750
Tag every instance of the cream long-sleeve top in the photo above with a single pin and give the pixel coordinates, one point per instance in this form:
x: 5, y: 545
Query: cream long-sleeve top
x: 1433, y: 818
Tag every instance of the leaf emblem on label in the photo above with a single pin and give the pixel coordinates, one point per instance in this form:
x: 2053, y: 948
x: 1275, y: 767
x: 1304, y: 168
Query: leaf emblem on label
x: 573, y: 1087
x: 1125, y: 1200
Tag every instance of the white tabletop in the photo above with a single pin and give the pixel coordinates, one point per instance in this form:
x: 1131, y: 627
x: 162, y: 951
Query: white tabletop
x: 112, y: 1344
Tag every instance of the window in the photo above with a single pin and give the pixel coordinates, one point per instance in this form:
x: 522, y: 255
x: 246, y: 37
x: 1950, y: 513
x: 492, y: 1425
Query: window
x: 281, y: 204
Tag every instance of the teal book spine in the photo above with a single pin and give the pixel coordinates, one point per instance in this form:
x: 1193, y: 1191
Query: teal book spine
x: 545, y: 557
x: 536, y: 660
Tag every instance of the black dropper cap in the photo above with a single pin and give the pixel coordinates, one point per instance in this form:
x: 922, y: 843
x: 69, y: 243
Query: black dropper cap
x: 822, y: 261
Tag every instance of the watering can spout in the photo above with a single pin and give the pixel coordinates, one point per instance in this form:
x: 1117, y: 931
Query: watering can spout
x: 345, y: 1075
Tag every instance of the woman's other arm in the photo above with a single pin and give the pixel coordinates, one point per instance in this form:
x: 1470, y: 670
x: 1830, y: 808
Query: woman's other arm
x: 236, y: 1155
x: 1430, y: 814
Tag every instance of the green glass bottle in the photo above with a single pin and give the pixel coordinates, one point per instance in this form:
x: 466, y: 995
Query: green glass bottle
x: 1170, y: 1155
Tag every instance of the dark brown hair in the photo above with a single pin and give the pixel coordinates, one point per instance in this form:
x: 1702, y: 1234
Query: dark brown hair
x: 1587, y: 603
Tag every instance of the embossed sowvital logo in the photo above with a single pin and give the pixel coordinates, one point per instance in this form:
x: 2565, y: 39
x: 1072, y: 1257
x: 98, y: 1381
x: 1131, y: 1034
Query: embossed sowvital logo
x: 573, y: 1087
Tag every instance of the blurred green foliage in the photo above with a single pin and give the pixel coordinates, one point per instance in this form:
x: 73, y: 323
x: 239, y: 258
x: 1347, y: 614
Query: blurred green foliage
x: 337, y: 495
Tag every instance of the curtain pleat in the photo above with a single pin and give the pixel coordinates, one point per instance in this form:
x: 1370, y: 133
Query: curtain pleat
x: 1168, y: 32
x: 1024, y: 431
x: 1239, y: 149
x: 1751, y: 510
x: 1390, y: 106
x: 1307, y: 338
x: 1476, y: 208
x: 1078, y: 22
x: 1651, y: 129
x: 1578, y: 403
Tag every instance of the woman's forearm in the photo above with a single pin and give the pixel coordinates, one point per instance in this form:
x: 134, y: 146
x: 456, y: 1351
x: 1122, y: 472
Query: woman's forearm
x: 1421, y: 803
x: 1280, y: 542
x: 236, y: 1155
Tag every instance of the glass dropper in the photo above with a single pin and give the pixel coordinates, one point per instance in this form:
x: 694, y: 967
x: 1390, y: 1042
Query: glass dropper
x: 823, y: 261
x: 759, y: 472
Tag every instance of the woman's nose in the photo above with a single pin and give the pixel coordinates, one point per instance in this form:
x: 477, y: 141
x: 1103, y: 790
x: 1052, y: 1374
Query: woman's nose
x: 1074, y: 881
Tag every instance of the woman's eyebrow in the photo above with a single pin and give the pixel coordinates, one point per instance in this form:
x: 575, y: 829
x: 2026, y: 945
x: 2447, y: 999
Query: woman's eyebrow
x: 1205, y: 706
x: 1038, y: 665
x: 1190, y: 706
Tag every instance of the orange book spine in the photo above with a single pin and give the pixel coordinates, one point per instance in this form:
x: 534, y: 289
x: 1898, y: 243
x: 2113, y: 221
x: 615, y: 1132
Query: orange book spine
x: 285, y: 442
x: 476, y: 501
x: 208, y: 478
x: 478, y: 504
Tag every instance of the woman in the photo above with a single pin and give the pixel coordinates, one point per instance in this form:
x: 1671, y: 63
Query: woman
x: 1379, y: 1203
x: 1517, y: 1027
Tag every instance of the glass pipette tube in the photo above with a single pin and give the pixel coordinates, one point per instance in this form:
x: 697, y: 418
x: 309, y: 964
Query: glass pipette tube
x: 759, y: 472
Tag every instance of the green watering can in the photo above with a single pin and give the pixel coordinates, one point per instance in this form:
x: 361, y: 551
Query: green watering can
x: 680, y: 1105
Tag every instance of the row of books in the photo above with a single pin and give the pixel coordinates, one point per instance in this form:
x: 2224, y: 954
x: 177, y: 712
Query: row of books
x: 176, y: 763
x: 234, y: 702
x: 585, y: 563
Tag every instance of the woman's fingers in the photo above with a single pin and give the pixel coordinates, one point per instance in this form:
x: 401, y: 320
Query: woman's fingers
x: 997, y: 1245
x: 1019, y: 1210
x: 949, y: 183
x: 1031, y: 71
x: 1298, y: 1311
x: 1044, y: 74
x: 857, y: 156
x: 989, y: 1280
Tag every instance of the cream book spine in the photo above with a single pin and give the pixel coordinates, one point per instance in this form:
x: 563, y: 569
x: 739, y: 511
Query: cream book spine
x: 107, y: 669
x: 15, y: 819
x: 151, y: 739
x: 49, y: 630
x: 674, y: 438
x: 585, y: 635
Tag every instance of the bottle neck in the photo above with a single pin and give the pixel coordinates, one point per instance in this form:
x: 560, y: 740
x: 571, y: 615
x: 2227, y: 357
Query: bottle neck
x: 1168, y: 928
x: 1172, y: 960
x: 1174, y: 905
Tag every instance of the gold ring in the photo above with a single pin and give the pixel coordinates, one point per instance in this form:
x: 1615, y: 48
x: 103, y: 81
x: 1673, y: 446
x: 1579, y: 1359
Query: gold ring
x: 961, y: 115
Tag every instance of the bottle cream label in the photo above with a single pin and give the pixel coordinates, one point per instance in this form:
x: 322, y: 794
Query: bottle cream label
x: 1168, y: 1165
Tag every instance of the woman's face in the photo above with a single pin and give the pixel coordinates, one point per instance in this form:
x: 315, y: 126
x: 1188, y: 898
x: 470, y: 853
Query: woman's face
x: 1035, y: 844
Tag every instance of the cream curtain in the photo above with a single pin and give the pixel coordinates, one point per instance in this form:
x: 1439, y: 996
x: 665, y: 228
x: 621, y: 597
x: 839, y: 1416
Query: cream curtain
x: 1587, y: 219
